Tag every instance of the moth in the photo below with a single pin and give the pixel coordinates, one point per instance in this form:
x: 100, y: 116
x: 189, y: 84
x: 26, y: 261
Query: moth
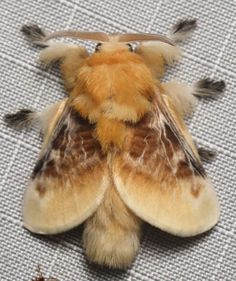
x: 116, y: 151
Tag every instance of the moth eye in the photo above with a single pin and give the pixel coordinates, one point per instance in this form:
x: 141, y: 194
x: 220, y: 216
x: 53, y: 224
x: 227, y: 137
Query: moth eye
x: 98, y: 47
x: 130, y: 47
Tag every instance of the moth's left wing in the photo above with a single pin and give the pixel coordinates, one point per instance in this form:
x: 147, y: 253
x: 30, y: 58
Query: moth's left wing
x: 70, y: 177
x: 160, y: 177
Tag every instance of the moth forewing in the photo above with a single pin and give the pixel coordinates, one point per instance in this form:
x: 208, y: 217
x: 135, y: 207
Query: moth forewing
x: 162, y: 179
x: 69, y: 179
x: 183, y: 211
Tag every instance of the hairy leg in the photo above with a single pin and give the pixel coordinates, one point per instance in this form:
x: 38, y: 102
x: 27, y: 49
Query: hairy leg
x: 206, y: 155
x: 69, y: 55
x: 185, y: 99
x: 158, y: 54
x: 26, y: 118
x: 182, y: 30
x: 185, y: 96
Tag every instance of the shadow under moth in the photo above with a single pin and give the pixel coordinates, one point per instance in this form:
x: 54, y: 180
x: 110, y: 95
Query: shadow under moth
x: 116, y: 152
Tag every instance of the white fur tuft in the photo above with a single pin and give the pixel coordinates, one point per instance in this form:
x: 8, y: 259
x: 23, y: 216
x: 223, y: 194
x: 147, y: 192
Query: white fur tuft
x: 169, y: 53
x: 55, y: 51
x: 182, y: 95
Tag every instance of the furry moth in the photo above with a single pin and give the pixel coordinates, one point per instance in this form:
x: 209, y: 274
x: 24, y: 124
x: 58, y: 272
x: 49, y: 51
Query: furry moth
x: 116, y: 151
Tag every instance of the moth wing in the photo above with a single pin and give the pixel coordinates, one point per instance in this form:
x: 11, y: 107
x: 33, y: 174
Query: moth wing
x: 69, y: 179
x: 160, y: 177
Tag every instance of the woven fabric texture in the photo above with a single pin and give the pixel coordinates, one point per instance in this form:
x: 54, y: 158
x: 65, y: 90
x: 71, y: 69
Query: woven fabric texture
x: 24, y: 83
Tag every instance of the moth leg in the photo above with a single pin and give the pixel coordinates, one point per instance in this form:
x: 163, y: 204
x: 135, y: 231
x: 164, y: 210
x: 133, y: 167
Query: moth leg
x: 182, y: 95
x: 34, y: 34
x: 158, y: 54
x: 23, y: 118
x: 70, y: 56
x: 185, y: 96
x: 182, y: 30
x: 26, y: 118
x: 208, y: 88
x: 206, y: 155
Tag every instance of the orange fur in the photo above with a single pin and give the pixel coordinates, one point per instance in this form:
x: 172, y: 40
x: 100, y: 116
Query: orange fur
x: 117, y: 86
x: 110, y: 133
x: 104, y: 76
x: 86, y: 107
x: 71, y: 64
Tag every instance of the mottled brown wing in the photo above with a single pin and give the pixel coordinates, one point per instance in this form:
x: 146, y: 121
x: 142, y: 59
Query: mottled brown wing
x: 160, y: 177
x: 69, y: 179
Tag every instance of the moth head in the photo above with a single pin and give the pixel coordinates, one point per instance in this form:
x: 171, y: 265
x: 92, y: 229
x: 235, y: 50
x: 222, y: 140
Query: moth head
x: 106, y: 47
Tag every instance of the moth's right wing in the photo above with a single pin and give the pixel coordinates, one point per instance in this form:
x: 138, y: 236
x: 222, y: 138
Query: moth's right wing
x: 70, y: 178
x: 159, y: 175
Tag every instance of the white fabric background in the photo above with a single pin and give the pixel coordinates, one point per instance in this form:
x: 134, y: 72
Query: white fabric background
x: 25, y: 83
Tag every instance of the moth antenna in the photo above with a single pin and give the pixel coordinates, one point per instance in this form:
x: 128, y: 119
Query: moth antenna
x: 182, y: 30
x: 209, y: 88
x: 207, y: 155
x: 35, y: 34
x: 140, y: 37
x: 24, y: 118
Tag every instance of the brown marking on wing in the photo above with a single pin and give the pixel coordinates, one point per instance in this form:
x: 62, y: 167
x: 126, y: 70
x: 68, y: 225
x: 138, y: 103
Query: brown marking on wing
x: 154, y: 149
x: 69, y: 180
x: 152, y: 142
x: 195, y: 190
x: 40, y: 189
x: 161, y: 181
x: 183, y: 170
x: 74, y: 150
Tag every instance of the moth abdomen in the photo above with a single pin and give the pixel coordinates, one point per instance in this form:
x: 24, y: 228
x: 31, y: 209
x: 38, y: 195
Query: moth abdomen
x: 112, y: 235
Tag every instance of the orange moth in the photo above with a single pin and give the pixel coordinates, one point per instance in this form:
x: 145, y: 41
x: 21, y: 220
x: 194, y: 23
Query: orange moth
x: 116, y: 151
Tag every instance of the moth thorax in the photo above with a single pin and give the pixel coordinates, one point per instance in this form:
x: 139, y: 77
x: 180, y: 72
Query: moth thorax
x: 121, y: 74
x: 111, y: 90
